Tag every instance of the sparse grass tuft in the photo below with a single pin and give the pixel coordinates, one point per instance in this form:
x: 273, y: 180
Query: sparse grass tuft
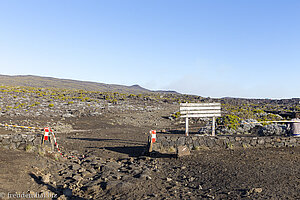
x: 51, y: 105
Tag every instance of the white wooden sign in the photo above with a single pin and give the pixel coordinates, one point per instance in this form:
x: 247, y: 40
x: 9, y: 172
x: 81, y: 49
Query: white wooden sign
x: 201, y: 110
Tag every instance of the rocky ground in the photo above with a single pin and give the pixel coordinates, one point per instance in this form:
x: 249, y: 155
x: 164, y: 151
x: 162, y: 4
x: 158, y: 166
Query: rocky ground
x: 108, y: 141
x: 119, y: 172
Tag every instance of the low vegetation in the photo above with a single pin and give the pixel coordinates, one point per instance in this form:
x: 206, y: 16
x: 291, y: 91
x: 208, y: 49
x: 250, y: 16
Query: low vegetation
x: 233, y: 110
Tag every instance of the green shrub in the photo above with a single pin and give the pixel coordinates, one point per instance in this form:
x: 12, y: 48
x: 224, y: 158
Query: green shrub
x: 171, y: 150
x: 231, y: 121
x: 113, y: 101
x: 258, y: 111
x: 51, y: 105
x: 132, y: 96
x: 229, y: 145
x: 28, y: 148
x: 176, y: 115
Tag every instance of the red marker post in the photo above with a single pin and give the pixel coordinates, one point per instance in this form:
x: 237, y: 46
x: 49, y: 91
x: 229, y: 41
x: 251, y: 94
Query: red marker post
x: 46, y: 137
x: 46, y: 134
x: 153, y: 139
x: 153, y: 135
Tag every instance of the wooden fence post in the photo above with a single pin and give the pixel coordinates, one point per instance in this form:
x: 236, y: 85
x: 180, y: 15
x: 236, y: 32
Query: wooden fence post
x: 213, y: 126
x: 186, y: 126
x: 150, y: 144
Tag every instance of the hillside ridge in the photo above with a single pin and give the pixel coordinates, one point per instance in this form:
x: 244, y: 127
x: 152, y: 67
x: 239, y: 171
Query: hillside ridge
x: 52, y: 82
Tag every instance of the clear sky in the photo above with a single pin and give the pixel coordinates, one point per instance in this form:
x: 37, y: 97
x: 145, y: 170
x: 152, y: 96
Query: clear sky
x: 237, y: 48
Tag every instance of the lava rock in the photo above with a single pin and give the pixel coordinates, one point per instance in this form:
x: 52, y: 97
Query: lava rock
x: 183, y: 151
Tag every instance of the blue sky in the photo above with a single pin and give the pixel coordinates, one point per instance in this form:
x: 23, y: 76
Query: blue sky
x: 241, y: 48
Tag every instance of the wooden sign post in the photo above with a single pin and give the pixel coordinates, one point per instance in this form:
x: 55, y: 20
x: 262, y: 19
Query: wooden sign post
x: 201, y: 110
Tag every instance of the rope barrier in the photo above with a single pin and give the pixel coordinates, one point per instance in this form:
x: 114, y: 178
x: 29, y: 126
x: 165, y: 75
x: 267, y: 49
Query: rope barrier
x: 58, y: 149
x: 45, y: 137
x: 16, y: 126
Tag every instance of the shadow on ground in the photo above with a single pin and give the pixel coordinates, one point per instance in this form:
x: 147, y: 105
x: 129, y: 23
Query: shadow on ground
x: 136, y: 151
x: 178, y: 132
x: 132, y: 151
x: 58, y: 191
x: 107, y: 140
x: 155, y: 154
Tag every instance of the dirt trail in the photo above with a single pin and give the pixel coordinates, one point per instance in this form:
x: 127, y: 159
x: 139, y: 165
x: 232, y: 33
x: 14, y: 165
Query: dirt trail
x: 114, y: 169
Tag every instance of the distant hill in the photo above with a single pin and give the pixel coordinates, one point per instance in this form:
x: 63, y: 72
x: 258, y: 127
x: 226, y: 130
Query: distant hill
x: 49, y: 82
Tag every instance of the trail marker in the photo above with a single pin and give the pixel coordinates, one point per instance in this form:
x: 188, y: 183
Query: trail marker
x: 201, y: 110
x: 153, y: 135
x: 46, y: 134
x: 152, y: 139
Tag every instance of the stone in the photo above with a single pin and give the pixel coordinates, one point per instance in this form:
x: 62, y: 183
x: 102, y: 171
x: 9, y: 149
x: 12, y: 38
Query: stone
x: 279, y: 144
x: 37, y: 141
x: 191, y: 179
x: 6, y: 147
x: 211, y: 143
x: 76, y: 167
x: 81, y: 170
x: 273, y: 130
x: 46, y: 178
x: 118, y: 187
x: 77, y: 177
x: 93, y: 189
x: 189, y: 140
x: 256, y: 190
x: 144, y: 176
x: 293, y: 140
x: 17, y: 138
x: 13, y: 146
x: 112, y: 184
x: 30, y: 138
x: 253, y: 142
x: 67, y: 115
x: 111, y: 166
x: 94, y: 162
x: 260, y: 141
x: 219, y: 142
x: 183, y: 151
x: 62, y: 197
x: 136, y: 171
x: 92, y: 171
x: 181, y: 141
x: 85, y: 173
x: 67, y: 192
x: 169, y: 179
x: 22, y: 146
x: 6, y: 141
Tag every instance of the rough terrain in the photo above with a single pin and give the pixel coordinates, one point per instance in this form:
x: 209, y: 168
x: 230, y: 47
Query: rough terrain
x: 109, y: 140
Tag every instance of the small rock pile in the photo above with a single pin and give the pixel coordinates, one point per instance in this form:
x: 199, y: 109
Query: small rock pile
x: 245, y: 127
x: 274, y: 130
x: 92, y: 176
x: 251, y: 126
x: 26, y: 141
